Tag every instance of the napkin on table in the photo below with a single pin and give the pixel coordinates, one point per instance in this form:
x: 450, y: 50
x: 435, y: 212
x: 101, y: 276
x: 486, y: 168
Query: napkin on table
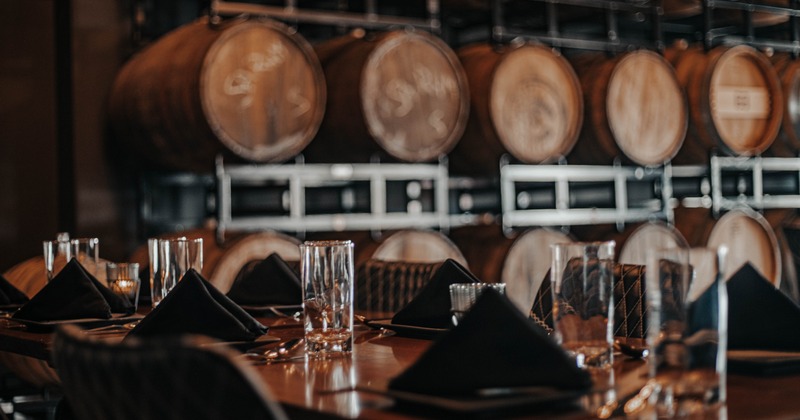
x: 10, y: 295
x: 74, y: 294
x: 493, y: 346
x: 195, y: 306
x: 268, y: 282
x: 431, y: 307
x: 759, y: 315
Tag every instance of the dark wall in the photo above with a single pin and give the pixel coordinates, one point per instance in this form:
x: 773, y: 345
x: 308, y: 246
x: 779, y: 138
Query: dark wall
x: 57, y: 172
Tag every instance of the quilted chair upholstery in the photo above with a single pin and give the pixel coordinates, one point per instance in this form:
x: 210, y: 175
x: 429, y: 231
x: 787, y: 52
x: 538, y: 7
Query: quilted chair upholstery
x: 387, y: 286
x: 630, y: 317
x: 177, y: 378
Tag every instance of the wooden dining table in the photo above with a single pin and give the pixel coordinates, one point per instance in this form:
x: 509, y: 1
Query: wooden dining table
x: 353, y: 386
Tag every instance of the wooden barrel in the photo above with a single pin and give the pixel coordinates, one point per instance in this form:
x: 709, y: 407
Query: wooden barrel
x: 250, y: 89
x: 787, y: 231
x: 253, y: 247
x: 635, y: 109
x: 525, y: 100
x: 651, y: 235
x: 787, y: 144
x: 223, y: 262
x: 401, y: 92
x: 735, y: 17
x: 520, y: 261
x: 634, y: 240
x: 748, y: 236
x: 784, y: 223
x: 412, y: 245
x: 735, y: 101
x: 28, y: 276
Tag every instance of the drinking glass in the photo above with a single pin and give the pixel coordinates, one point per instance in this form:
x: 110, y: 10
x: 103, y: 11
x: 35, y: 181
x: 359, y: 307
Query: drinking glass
x: 123, y: 279
x: 464, y: 295
x: 87, y: 252
x: 56, y: 255
x: 582, y: 276
x: 687, y: 332
x: 327, y: 272
x: 170, y: 259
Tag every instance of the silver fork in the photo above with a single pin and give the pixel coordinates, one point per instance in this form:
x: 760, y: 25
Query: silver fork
x: 108, y: 329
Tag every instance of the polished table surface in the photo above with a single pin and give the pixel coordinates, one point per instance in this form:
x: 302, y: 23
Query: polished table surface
x: 324, y: 388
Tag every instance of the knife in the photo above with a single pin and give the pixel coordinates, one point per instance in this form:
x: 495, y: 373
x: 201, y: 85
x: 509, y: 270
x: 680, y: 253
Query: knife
x: 282, y: 349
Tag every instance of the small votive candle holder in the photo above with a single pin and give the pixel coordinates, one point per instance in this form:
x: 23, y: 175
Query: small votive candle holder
x: 464, y: 295
x: 123, y: 280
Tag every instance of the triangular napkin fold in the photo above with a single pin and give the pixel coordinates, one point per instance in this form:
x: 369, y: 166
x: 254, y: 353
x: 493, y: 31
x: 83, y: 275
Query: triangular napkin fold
x: 494, y: 345
x: 759, y: 315
x: 267, y: 282
x: 10, y: 295
x: 72, y: 294
x: 431, y: 307
x: 194, y: 306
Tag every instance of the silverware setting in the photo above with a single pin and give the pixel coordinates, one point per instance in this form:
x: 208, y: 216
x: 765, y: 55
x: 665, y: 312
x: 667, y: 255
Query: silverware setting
x: 280, y: 353
x: 295, y: 315
x: 111, y: 329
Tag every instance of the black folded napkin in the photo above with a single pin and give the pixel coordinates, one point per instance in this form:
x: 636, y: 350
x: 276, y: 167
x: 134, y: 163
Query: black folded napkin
x: 431, y: 307
x: 759, y: 315
x: 494, y: 345
x: 10, y: 295
x: 267, y: 282
x: 195, y: 306
x: 74, y: 294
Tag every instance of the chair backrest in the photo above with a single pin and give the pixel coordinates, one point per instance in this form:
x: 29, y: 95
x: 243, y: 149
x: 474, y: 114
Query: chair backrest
x: 387, y: 286
x: 176, y: 378
x: 630, y: 308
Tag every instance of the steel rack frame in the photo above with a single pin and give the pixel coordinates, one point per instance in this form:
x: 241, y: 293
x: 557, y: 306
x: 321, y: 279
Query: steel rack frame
x: 156, y: 187
x: 554, y: 37
x: 370, y: 19
x: 713, y: 36
x: 750, y: 175
x: 698, y: 193
x: 562, y: 176
x: 303, y: 178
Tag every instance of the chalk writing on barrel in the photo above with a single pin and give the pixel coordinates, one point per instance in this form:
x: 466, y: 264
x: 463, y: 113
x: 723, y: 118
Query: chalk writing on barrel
x: 300, y: 102
x: 404, y: 95
x: 240, y: 82
x: 274, y: 56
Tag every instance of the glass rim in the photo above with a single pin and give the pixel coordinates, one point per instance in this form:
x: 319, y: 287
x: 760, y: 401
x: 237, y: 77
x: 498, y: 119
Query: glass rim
x: 610, y: 243
x: 84, y: 240
x: 178, y: 239
x: 122, y: 264
x: 327, y: 243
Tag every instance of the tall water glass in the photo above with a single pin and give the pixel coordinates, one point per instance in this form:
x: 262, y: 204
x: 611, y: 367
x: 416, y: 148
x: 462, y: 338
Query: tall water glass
x: 87, y: 252
x: 56, y: 255
x: 582, y: 276
x: 687, y: 332
x: 327, y: 272
x: 170, y: 259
